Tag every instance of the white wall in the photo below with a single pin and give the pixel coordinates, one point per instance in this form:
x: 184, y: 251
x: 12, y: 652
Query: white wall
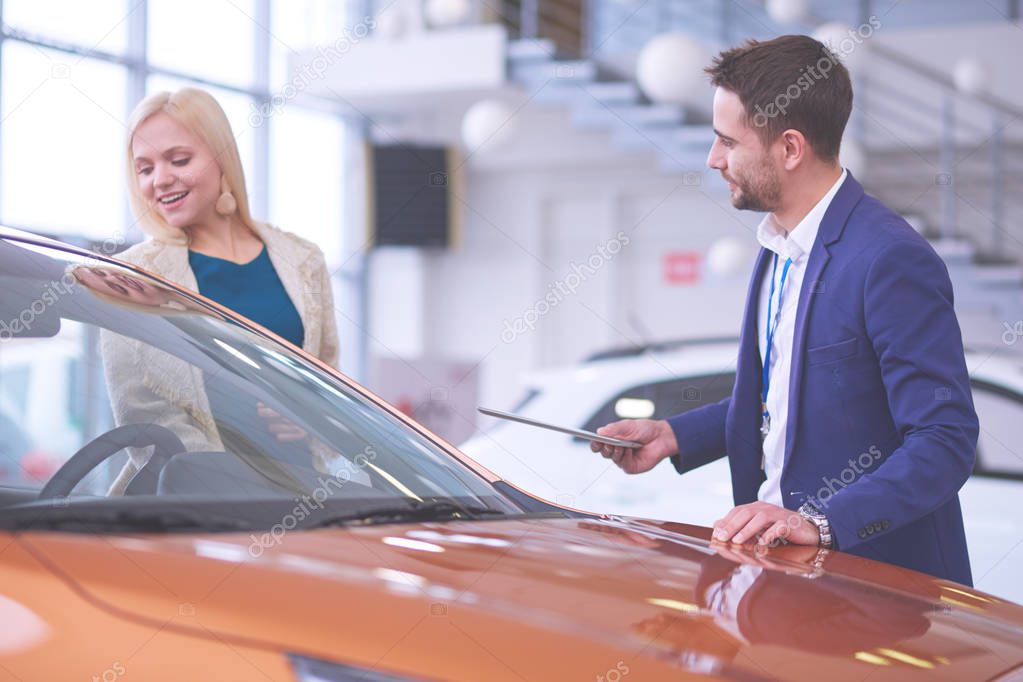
x: 524, y: 230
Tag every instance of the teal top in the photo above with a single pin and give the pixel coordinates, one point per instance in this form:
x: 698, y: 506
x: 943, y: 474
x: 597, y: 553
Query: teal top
x: 254, y: 290
x: 251, y: 289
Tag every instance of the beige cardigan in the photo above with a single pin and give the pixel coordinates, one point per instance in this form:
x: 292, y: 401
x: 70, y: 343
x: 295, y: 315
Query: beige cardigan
x: 149, y: 385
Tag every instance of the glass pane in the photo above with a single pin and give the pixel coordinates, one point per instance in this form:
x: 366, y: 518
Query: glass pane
x: 306, y: 160
x: 50, y: 412
x: 678, y: 396
x: 63, y: 139
x: 213, y: 39
x: 98, y: 24
x: 298, y: 25
x: 236, y: 106
x: 198, y: 400
x: 998, y: 442
x: 664, y: 398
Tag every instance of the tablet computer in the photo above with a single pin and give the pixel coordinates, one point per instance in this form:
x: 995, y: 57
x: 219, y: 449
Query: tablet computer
x: 588, y: 435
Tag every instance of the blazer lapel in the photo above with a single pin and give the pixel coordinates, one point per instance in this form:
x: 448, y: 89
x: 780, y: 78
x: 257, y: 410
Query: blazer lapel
x: 749, y: 338
x: 293, y: 262
x: 170, y: 261
x: 832, y: 225
x: 748, y: 375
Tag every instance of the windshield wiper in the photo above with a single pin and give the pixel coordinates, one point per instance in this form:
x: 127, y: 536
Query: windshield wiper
x: 117, y: 519
x: 411, y: 512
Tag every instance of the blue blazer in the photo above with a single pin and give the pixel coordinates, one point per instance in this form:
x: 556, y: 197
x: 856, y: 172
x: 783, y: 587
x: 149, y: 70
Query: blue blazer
x: 882, y: 432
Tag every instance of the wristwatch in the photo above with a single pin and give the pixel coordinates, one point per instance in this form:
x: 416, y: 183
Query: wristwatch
x: 815, y: 516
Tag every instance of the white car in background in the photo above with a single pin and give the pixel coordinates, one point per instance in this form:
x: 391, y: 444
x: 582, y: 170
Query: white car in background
x: 660, y: 380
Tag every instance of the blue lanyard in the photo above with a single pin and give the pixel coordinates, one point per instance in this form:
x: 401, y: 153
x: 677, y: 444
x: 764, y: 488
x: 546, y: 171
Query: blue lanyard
x: 771, y: 329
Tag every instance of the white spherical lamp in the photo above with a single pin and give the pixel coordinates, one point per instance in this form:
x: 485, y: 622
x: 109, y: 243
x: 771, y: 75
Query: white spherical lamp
x: 670, y: 69
x: 486, y: 123
x: 971, y: 76
x: 787, y: 11
x: 847, y: 44
x: 727, y: 257
x: 444, y: 13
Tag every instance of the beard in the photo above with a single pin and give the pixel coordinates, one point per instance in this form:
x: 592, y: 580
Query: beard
x: 758, y: 190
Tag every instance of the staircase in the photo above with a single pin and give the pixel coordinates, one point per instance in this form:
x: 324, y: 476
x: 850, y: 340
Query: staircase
x: 961, y: 184
x: 599, y: 98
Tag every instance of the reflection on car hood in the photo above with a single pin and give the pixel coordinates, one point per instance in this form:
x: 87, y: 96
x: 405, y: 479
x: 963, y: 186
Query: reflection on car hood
x: 546, y: 599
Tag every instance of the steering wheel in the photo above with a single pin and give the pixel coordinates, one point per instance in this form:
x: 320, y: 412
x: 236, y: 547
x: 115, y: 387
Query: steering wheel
x: 104, y: 446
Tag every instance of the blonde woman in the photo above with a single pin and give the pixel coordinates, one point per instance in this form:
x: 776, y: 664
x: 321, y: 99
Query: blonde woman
x: 188, y: 194
x: 187, y: 191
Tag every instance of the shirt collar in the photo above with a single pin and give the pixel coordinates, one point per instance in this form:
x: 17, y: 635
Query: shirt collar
x: 799, y: 241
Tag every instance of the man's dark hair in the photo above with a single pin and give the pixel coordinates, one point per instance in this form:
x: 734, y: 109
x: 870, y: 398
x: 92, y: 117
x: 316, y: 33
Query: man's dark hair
x: 789, y: 82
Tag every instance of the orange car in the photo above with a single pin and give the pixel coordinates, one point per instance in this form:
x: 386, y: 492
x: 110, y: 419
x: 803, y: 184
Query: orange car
x: 180, y: 539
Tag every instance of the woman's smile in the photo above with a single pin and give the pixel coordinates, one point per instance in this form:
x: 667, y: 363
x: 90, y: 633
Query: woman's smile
x: 172, y: 200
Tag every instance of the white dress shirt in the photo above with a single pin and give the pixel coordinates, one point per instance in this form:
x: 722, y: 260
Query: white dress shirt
x: 796, y: 245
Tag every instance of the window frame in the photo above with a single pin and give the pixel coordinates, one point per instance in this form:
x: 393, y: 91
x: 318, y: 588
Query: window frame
x: 1013, y: 397
x: 597, y: 418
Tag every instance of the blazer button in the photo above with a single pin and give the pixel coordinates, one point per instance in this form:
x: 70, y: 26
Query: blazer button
x: 885, y: 524
x: 862, y: 533
x: 878, y: 526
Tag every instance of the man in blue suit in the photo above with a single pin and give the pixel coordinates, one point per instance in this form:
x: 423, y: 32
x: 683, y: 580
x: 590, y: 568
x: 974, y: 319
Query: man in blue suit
x: 851, y: 424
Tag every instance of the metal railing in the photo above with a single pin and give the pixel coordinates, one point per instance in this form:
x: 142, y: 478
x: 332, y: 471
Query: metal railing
x: 955, y: 120
x: 933, y: 103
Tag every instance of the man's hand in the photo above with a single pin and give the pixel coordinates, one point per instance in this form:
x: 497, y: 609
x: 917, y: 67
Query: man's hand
x: 767, y: 523
x: 658, y: 442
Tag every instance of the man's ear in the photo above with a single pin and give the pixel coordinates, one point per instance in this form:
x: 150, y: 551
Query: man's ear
x: 794, y: 148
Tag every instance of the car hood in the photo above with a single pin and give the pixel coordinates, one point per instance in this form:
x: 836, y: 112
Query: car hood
x: 545, y: 599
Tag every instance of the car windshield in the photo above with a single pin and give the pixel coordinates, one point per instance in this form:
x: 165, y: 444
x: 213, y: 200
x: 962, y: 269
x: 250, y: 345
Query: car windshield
x: 118, y: 393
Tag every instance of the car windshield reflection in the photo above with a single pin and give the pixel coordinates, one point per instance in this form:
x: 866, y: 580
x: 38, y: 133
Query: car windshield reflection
x: 116, y: 386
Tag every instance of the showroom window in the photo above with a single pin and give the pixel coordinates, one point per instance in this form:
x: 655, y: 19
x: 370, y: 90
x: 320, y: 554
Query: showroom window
x: 70, y: 74
x: 306, y: 171
x: 62, y: 141
x: 210, y: 39
x: 99, y: 25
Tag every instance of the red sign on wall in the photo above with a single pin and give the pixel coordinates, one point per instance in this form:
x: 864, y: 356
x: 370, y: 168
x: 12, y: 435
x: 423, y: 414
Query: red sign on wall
x: 682, y: 267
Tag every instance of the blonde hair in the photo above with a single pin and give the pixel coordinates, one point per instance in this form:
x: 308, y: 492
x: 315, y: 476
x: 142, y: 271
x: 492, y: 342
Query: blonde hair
x: 202, y: 116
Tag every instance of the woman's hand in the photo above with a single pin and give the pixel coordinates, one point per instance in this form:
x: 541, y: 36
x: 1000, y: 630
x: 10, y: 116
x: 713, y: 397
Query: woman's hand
x: 281, y: 428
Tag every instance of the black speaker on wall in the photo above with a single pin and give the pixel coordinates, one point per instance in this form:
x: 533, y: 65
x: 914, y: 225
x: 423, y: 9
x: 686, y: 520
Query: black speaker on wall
x: 410, y: 202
